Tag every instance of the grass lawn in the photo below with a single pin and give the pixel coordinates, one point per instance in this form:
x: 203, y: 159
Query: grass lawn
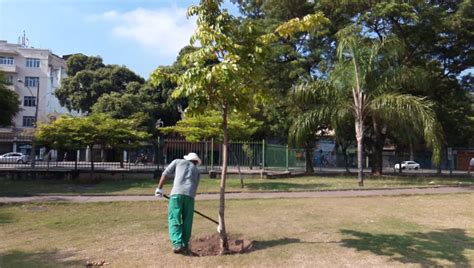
x: 416, y: 231
x: 147, y: 186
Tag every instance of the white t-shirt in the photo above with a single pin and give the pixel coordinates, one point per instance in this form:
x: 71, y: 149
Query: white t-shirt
x: 186, y: 177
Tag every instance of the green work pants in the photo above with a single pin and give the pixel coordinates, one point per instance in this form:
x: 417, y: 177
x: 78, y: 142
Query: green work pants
x: 180, y: 219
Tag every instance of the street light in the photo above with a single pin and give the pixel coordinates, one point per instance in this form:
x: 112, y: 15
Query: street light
x: 33, y: 147
x: 158, y: 124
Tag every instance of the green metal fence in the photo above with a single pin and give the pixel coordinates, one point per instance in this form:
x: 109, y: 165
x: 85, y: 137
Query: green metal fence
x: 244, y: 154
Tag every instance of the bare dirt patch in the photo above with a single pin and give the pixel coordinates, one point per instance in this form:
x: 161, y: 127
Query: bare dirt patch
x: 210, y: 245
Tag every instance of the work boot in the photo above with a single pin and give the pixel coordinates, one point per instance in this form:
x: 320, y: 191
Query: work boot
x: 178, y: 250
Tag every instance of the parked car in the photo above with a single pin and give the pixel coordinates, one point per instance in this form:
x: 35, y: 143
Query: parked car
x: 408, y: 165
x: 14, y: 158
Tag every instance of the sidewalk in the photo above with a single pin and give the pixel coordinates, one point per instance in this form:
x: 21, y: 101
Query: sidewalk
x: 260, y: 195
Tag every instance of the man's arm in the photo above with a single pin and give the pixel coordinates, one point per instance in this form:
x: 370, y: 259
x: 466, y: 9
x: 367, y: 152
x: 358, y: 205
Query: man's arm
x: 162, y: 181
x: 169, y: 170
x: 158, y: 190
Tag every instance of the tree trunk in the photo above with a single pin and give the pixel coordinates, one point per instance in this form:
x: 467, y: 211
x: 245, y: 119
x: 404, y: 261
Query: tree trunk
x: 238, y: 168
x: 377, y: 150
x: 91, y: 155
x: 346, y: 160
x: 156, y: 152
x: 359, y: 130
x: 76, y: 159
x: 439, y: 167
x: 91, y: 158
x: 412, y: 156
x: 308, y: 150
x: 221, y: 228
x: 360, y: 150
x: 359, y: 108
x: 120, y: 152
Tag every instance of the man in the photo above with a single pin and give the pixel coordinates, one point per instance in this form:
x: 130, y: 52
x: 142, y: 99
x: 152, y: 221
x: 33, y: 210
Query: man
x: 181, y: 203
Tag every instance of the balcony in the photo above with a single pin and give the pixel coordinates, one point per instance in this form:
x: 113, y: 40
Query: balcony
x: 8, y: 68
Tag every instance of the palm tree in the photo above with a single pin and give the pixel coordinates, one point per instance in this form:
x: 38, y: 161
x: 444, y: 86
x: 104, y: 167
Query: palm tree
x: 364, y: 87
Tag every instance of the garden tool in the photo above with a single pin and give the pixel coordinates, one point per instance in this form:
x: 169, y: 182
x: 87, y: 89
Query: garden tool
x: 199, y: 213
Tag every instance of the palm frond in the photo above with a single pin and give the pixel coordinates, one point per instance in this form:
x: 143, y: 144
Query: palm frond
x: 341, y: 116
x: 405, y: 111
x: 307, y: 123
x: 311, y: 92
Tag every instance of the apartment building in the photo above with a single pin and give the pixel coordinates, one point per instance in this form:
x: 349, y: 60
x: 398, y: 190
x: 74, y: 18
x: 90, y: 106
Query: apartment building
x: 34, y: 74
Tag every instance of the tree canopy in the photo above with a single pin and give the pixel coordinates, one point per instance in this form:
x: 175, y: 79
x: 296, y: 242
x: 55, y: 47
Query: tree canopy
x: 208, y: 126
x: 88, y: 79
x: 74, y: 133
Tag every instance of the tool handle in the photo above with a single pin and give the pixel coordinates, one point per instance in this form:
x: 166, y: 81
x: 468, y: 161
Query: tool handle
x: 197, y: 212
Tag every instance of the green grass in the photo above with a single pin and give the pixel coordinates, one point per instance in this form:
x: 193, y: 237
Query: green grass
x: 420, y: 230
x: 147, y: 186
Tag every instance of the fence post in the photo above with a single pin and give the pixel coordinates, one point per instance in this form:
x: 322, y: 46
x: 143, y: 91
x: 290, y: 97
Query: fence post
x: 263, y: 154
x: 212, y: 153
x: 206, y: 158
x: 287, y: 152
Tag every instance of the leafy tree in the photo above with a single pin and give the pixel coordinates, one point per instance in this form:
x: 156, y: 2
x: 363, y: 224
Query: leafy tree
x: 146, y: 105
x: 222, y: 72
x: 302, y: 55
x: 368, y: 73
x: 74, y: 133
x: 364, y: 86
x: 118, y: 105
x: 89, y: 79
x: 217, y: 78
x: 438, y: 37
x: 9, y: 103
x: 208, y: 126
x: 79, y: 62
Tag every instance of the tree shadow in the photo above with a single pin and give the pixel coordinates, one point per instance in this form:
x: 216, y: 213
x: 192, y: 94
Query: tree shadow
x: 283, y: 186
x: 426, y: 249
x: 52, y: 258
x: 6, y: 218
x: 260, y: 245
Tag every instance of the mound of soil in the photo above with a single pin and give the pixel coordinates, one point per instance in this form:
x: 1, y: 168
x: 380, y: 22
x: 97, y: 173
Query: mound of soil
x: 210, y: 245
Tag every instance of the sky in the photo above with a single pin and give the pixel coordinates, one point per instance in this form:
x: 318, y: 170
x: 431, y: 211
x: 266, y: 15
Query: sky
x: 140, y: 34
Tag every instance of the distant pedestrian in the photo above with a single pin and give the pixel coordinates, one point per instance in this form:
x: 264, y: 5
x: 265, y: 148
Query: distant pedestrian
x: 181, y: 202
x: 65, y: 156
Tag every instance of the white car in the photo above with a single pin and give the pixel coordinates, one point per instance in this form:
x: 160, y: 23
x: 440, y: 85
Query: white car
x: 14, y: 158
x: 408, y: 165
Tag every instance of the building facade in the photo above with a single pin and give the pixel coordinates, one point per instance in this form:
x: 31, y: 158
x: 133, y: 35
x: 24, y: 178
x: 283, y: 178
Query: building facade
x: 34, y: 74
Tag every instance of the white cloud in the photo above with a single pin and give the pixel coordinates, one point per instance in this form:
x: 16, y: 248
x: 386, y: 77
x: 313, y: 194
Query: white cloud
x: 165, y: 31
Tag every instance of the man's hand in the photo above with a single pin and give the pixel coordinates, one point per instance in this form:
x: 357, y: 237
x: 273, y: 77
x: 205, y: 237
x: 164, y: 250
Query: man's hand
x: 159, y: 192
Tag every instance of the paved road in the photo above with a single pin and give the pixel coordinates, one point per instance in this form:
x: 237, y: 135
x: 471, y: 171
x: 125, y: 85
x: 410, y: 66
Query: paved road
x: 265, y: 195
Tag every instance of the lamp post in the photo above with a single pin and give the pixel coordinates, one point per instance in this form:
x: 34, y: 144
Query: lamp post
x: 33, y: 147
x: 158, y: 124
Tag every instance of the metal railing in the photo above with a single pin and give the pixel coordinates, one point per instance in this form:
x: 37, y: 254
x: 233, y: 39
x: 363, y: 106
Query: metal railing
x: 247, y: 155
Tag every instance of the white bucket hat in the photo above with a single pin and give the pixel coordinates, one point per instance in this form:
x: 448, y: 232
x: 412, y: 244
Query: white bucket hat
x: 193, y: 157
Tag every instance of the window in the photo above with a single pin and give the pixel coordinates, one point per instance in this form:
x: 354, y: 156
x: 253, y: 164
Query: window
x: 6, y: 60
x: 29, y: 101
x: 28, y: 121
x: 32, y: 62
x: 10, y: 79
x: 31, y: 81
